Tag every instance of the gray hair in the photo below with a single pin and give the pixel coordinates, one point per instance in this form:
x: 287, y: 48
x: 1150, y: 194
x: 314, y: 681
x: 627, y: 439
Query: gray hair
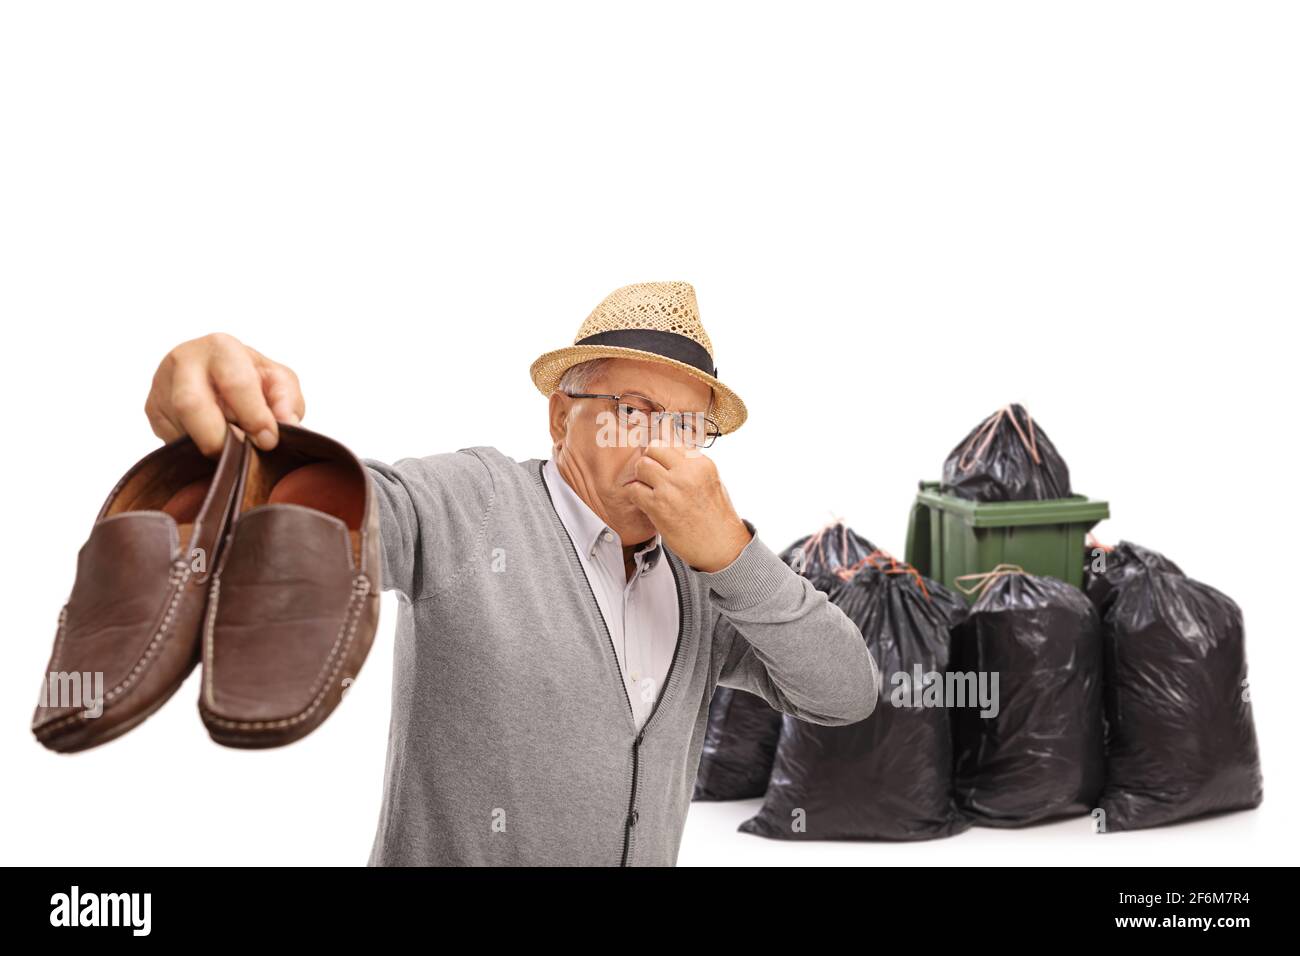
x: 578, y: 378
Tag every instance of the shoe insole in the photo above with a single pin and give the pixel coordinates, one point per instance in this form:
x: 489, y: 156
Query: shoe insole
x: 328, y: 486
x: 331, y: 487
x: 184, y: 506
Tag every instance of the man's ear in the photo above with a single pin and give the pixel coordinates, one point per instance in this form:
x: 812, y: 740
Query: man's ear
x: 558, y: 413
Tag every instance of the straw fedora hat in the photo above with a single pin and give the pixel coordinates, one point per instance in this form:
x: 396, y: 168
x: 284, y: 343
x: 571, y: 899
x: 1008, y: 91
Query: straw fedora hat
x: 651, y: 322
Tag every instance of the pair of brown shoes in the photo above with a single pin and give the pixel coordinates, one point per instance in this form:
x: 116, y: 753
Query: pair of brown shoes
x: 263, y: 565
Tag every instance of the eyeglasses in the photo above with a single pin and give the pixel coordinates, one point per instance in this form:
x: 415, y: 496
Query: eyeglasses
x: 695, y: 429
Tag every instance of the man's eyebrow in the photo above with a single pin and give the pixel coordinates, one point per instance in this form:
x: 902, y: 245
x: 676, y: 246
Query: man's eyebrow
x: 646, y: 394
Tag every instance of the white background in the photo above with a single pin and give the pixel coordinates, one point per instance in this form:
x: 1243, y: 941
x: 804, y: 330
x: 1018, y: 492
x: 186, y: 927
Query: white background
x: 897, y: 217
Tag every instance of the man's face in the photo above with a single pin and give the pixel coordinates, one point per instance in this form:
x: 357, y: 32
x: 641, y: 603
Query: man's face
x: 600, y: 470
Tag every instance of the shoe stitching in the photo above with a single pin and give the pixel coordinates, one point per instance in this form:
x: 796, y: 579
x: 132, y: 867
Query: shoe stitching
x: 360, y: 590
x: 214, y: 593
x: 180, y: 575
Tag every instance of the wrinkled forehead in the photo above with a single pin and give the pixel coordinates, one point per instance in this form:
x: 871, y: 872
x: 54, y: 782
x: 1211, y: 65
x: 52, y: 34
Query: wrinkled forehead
x: 670, y: 387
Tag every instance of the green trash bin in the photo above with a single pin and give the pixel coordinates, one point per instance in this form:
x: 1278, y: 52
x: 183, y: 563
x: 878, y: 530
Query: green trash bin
x: 949, y: 536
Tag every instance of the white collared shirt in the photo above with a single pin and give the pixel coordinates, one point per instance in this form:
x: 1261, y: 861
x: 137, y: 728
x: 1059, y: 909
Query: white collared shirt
x: 641, y: 612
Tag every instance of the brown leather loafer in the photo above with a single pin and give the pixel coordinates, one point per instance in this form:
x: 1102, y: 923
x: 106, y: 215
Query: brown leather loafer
x: 129, y: 634
x: 295, y: 600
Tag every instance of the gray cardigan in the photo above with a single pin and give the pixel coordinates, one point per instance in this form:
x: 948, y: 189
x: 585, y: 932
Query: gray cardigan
x: 512, y: 740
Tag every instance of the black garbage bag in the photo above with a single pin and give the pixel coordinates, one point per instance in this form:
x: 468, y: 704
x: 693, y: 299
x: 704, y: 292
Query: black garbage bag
x: 1105, y: 569
x: 1180, y: 730
x: 888, y: 777
x: 1040, y: 756
x: 821, y: 555
x: 739, y: 746
x: 1007, y: 457
x: 742, y: 732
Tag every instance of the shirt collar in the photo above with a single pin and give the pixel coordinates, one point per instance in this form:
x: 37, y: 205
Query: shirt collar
x: 585, y: 526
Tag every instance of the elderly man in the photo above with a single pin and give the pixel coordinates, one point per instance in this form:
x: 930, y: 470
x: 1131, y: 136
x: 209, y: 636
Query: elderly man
x: 563, y: 623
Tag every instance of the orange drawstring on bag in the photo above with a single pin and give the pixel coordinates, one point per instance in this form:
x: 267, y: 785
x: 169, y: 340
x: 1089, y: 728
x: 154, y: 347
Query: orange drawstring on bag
x: 885, y: 562
x: 986, y: 578
x: 987, y: 430
x: 816, y: 545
